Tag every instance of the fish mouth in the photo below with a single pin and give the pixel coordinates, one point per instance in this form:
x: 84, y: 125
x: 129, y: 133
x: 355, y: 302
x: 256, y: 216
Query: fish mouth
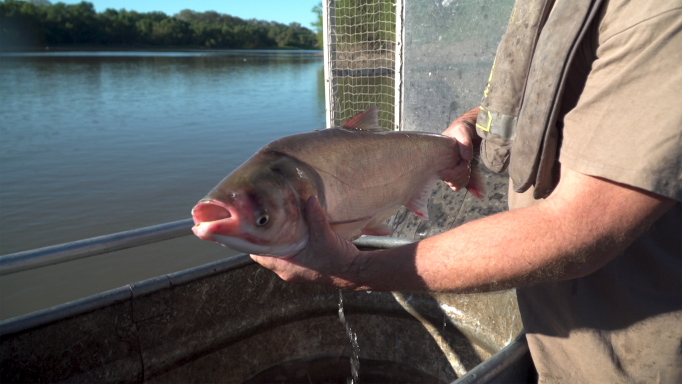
x: 213, y: 217
x: 210, y: 210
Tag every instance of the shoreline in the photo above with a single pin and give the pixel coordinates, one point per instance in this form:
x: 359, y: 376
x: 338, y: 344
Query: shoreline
x: 140, y: 47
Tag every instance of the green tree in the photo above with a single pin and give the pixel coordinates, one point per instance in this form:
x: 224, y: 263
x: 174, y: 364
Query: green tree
x: 318, y: 25
x: 20, y: 25
x: 36, y: 23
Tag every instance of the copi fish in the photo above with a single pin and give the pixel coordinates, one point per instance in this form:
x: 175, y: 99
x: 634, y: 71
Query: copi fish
x: 360, y: 175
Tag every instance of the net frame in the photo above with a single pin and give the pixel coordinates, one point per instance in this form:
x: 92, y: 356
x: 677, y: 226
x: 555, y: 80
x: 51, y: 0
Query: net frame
x: 363, y: 59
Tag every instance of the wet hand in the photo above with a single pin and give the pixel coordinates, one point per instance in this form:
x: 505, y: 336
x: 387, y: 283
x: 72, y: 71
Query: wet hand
x: 328, y: 258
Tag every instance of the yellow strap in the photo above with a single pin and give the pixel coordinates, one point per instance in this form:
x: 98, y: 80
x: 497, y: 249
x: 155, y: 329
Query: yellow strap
x: 490, y: 120
x: 487, y: 87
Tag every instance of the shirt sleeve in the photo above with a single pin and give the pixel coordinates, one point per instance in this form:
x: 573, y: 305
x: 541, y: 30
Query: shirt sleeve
x: 627, y: 124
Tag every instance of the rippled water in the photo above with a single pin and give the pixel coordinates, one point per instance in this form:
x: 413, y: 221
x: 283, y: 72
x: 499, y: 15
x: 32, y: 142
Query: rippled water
x: 93, y: 143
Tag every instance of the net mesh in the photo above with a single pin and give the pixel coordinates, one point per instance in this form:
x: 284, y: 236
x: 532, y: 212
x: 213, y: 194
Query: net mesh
x: 362, y: 43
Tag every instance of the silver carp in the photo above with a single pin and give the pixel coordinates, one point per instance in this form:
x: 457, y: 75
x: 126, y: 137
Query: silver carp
x: 360, y: 174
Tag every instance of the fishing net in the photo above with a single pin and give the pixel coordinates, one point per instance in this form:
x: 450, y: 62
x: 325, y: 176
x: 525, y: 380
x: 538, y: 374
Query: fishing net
x: 361, y: 59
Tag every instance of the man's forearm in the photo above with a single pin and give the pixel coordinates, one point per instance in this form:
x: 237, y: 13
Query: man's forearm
x: 484, y: 255
x: 585, y: 224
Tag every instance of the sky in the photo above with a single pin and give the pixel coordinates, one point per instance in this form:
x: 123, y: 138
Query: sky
x: 281, y: 11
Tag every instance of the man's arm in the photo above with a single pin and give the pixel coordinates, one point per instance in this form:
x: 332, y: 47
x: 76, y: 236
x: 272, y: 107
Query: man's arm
x: 585, y: 223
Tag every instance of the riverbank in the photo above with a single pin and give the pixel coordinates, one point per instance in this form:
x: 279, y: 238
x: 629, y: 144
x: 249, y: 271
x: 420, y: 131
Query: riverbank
x: 140, y: 47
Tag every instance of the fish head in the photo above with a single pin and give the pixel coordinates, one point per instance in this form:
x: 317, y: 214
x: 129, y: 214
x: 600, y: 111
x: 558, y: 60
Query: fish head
x: 256, y: 210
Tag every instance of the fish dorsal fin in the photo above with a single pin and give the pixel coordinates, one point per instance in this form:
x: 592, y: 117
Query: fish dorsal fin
x: 366, y: 121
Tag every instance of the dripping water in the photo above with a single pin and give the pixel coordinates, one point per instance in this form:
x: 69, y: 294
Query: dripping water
x: 353, y: 337
x: 441, y: 371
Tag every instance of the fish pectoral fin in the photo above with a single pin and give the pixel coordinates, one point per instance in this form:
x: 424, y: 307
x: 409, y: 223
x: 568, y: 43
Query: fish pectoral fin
x: 350, y: 230
x: 377, y: 227
x: 366, y: 121
x: 418, y: 203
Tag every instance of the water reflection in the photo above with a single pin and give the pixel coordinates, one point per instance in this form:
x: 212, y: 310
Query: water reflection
x: 101, y: 142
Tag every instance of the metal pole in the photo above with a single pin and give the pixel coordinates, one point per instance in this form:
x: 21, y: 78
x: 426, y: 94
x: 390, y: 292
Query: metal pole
x: 41, y: 257
x: 399, y: 57
x: 328, y: 46
x: 22, y: 261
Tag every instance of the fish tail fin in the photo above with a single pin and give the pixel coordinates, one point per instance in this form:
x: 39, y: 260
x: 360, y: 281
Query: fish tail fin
x: 476, y: 185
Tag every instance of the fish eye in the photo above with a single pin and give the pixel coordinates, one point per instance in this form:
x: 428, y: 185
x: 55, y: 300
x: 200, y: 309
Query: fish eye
x: 262, y: 219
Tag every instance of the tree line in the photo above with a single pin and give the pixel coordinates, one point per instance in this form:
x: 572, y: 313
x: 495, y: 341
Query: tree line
x: 38, y: 23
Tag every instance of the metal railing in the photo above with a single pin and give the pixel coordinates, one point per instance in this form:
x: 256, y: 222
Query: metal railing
x: 41, y: 257
x: 511, y: 363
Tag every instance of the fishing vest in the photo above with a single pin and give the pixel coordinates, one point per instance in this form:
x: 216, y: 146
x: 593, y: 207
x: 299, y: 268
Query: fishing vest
x: 518, y: 115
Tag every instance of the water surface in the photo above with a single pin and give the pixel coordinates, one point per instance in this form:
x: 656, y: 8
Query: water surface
x: 93, y: 143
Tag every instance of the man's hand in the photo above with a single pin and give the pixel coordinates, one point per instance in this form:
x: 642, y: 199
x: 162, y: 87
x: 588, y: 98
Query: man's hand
x: 328, y: 258
x: 463, y: 131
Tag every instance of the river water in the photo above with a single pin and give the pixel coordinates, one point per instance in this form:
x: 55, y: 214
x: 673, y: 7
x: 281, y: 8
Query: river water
x: 93, y: 143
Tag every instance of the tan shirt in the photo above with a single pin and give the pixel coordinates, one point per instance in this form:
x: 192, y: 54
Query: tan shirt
x: 622, y: 323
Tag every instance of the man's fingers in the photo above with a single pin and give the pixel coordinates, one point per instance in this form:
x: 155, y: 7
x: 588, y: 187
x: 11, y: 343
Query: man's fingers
x: 466, y: 146
x: 323, y: 258
x: 313, y: 210
x: 266, y: 261
x: 463, y: 130
x: 462, y: 135
x: 457, y: 177
x: 315, y: 216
